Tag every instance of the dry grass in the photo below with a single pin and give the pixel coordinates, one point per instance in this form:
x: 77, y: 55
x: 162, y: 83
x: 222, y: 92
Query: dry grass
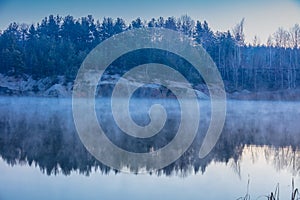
x: 273, y: 195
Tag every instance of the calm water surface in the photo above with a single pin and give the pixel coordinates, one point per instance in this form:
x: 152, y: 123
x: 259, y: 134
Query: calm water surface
x: 41, y: 156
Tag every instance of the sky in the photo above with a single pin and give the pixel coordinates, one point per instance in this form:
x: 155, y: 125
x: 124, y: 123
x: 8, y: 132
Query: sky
x: 262, y: 17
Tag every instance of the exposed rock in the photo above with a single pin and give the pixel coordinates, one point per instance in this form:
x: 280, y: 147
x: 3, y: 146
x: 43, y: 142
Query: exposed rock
x: 57, y: 86
x: 56, y: 90
x: 44, y: 84
x: 27, y: 85
x: 201, y: 95
x: 7, y: 91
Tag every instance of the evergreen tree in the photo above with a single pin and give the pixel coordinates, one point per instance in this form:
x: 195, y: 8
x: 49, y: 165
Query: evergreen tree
x: 152, y: 23
x: 57, y: 46
x: 119, y: 26
x: 11, y: 53
x: 171, y: 23
x: 107, y: 28
x: 137, y: 23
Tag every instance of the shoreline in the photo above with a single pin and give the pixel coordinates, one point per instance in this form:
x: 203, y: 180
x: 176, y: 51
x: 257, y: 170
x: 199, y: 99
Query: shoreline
x: 59, y: 87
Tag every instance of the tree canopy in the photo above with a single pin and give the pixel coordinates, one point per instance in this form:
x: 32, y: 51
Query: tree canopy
x: 57, y: 46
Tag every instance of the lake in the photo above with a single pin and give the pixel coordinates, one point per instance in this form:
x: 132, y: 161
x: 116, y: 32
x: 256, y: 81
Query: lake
x: 42, y: 157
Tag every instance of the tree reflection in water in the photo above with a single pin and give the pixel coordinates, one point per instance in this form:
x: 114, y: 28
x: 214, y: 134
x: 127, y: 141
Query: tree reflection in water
x: 41, y: 133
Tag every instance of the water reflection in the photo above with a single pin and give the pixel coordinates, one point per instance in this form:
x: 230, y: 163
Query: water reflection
x: 41, y: 132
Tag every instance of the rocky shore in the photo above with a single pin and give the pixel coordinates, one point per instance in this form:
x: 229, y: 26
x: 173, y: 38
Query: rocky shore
x: 58, y: 86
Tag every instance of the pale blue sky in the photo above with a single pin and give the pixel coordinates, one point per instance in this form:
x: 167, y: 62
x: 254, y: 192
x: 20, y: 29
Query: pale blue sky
x: 262, y: 17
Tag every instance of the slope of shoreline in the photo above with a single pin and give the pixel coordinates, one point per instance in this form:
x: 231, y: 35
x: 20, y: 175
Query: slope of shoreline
x: 57, y: 86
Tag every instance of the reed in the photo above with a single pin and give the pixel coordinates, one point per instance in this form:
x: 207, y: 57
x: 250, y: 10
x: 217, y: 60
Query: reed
x: 295, y: 191
x: 273, y: 195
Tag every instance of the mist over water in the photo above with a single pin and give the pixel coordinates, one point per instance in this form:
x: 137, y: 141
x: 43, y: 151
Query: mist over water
x: 39, y: 133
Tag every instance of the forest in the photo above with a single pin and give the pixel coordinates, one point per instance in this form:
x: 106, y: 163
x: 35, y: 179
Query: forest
x: 57, y: 45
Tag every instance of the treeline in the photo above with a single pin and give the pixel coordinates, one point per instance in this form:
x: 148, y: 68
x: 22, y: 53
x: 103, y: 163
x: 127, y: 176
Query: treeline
x: 58, y: 45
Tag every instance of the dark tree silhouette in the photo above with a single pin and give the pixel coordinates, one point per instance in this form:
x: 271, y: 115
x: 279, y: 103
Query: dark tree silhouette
x: 58, y: 45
